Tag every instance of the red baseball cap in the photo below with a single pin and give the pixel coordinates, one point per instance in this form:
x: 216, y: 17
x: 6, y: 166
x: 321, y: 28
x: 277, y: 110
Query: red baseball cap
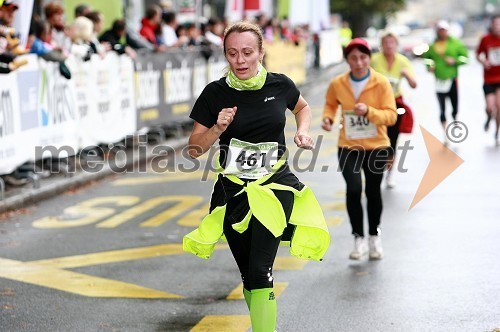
x: 358, y: 43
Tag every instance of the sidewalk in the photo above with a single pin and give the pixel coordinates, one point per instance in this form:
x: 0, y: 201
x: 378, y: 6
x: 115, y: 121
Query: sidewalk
x: 30, y: 193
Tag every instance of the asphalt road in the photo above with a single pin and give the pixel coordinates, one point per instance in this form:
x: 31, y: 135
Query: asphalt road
x: 108, y: 257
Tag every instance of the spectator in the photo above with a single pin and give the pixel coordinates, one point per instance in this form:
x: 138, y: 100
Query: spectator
x: 97, y: 19
x: 54, y: 14
x: 261, y: 21
x: 169, y: 27
x: 214, y: 31
x: 82, y: 10
x: 43, y: 47
x: 286, y: 31
x: 82, y: 32
x: 9, y: 41
x: 181, y: 32
x: 114, y: 36
x: 136, y: 41
x: 7, y: 9
x: 150, y: 25
x: 268, y: 30
x: 41, y: 44
x: 194, y: 35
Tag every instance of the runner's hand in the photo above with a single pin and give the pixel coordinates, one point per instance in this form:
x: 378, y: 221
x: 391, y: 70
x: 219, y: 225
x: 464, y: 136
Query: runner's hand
x: 360, y: 109
x: 404, y: 73
x: 486, y: 64
x: 450, y: 61
x: 326, y: 124
x: 226, y: 116
x: 303, y: 140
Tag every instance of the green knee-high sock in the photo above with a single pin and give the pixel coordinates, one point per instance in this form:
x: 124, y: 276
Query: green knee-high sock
x: 263, y: 310
x: 248, y: 297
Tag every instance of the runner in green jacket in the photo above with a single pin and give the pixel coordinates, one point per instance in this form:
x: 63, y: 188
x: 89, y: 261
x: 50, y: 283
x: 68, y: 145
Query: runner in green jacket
x: 443, y: 58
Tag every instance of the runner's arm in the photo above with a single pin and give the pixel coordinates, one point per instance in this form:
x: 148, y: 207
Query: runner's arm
x: 302, y: 113
x: 202, y: 138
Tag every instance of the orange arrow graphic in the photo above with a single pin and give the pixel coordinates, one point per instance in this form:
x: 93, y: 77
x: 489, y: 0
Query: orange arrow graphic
x: 442, y: 163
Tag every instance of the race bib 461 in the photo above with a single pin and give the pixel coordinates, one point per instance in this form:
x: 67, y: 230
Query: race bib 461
x: 250, y: 160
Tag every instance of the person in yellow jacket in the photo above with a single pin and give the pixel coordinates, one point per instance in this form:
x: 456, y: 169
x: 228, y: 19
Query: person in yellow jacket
x: 345, y: 34
x: 367, y: 107
x: 257, y: 202
x: 396, y: 67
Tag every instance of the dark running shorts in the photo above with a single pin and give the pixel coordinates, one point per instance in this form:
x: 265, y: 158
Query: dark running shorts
x: 490, y: 88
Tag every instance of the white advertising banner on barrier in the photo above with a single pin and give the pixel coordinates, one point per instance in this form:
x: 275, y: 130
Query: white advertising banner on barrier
x: 104, y: 90
x: 330, y: 51
x: 114, y: 90
x: 19, y: 116
x: 57, y: 112
x: 126, y: 96
x: 82, y: 76
x: 12, y: 146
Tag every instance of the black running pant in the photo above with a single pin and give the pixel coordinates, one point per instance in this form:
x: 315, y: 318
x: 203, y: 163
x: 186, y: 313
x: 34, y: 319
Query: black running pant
x: 453, y: 95
x: 372, y: 163
x: 255, y: 249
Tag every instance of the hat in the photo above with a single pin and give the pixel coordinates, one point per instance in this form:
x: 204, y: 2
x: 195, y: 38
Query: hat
x: 9, y: 3
x: 442, y: 24
x: 359, y: 43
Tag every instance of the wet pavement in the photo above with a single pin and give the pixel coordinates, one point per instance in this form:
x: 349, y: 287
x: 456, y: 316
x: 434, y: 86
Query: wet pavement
x: 107, y: 256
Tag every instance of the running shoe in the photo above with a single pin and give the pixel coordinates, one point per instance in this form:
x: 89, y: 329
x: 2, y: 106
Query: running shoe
x: 360, y: 248
x: 389, y: 181
x: 446, y: 141
x: 375, y: 244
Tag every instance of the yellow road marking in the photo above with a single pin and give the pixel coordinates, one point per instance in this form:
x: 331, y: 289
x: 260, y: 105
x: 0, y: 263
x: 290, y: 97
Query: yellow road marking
x: 237, y: 293
x: 289, y: 263
x: 50, y: 272
x: 76, y: 283
x: 336, y: 206
x: 86, y: 213
x: 339, y: 194
x: 234, y: 323
x: 167, y: 177
x: 334, y: 221
x: 91, y: 211
x: 112, y: 256
x: 184, y: 203
x: 193, y: 218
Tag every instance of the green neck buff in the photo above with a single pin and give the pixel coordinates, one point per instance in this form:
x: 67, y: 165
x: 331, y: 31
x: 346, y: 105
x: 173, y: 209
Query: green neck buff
x: 253, y: 83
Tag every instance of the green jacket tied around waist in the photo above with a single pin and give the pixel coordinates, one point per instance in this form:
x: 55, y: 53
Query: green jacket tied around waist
x: 310, y: 239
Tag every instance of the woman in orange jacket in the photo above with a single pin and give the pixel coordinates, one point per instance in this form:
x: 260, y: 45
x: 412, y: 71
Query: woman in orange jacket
x: 368, y: 106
